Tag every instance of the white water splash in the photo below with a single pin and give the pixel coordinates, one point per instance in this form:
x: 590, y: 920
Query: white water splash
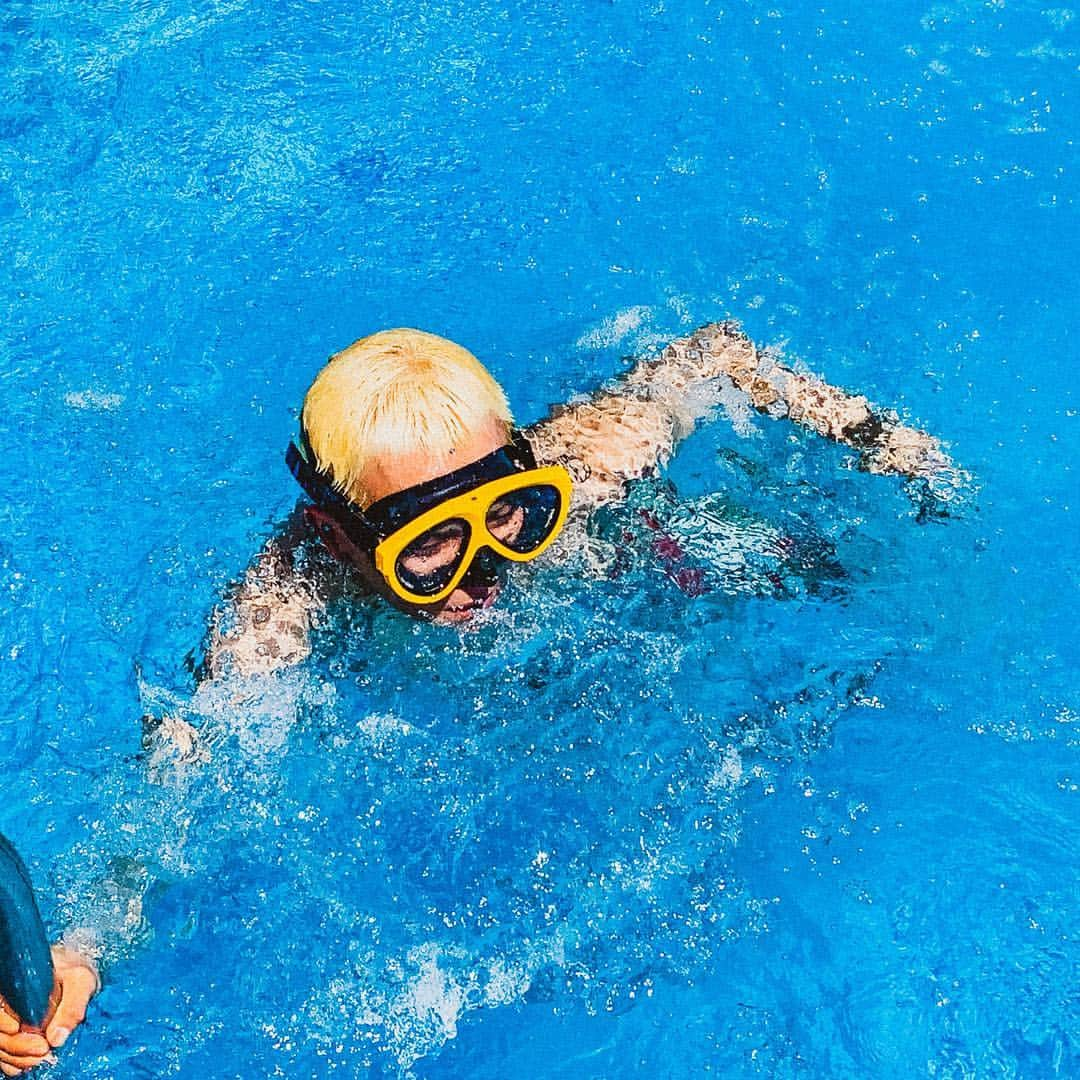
x: 618, y: 329
x: 93, y: 399
x: 414, y: 1006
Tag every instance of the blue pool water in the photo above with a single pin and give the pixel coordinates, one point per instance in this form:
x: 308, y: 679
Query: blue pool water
x: 826, y: 829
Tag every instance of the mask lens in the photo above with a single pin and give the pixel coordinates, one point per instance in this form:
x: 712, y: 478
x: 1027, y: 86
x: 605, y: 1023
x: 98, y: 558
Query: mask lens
x: 429, y: 562
x: 523, y: 520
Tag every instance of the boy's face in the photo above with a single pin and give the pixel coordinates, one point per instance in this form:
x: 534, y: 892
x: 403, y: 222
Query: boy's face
x: 397, y: 473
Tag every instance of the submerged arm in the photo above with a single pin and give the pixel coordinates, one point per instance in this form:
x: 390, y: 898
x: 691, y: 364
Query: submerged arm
x: 260, y: 629
x: 264, y: 624
x: 625, y: 432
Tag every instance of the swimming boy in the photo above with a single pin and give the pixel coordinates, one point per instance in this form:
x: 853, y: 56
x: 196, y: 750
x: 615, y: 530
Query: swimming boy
x: 420, y: 483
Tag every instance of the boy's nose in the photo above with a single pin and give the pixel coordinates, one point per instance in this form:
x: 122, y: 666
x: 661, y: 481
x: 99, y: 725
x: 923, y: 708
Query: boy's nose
x: 483, y: 573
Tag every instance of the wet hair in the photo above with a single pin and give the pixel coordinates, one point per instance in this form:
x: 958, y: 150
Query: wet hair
x: 392, y: 392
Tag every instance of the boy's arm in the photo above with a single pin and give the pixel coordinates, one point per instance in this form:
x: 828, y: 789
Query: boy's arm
x: 263, y: 625
x: 625, y: 432
x: 260, y: 628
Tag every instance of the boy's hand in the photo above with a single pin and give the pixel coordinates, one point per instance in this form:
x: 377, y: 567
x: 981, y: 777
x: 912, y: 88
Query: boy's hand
x: 76, y: 983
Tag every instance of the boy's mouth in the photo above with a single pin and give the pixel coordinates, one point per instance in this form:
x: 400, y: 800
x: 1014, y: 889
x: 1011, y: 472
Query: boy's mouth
x: 479, y: 599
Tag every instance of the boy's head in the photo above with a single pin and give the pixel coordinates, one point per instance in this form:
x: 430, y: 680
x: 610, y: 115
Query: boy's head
x: 417, y: 475
x: 397, y: 399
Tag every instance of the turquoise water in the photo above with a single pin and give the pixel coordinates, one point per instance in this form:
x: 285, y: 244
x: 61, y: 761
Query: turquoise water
x: 819, y: 821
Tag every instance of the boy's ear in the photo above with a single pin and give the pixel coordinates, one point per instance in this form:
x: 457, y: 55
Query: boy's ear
x: 337, y: 542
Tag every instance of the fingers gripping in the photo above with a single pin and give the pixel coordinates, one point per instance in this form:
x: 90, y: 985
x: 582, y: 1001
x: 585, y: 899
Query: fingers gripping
x: 22, y: 1051
x: 9, y: 1022
x: 76, y: 982
x: 19, y: 1050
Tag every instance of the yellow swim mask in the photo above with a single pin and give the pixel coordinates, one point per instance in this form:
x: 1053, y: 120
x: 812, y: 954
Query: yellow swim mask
x: 423, y: 540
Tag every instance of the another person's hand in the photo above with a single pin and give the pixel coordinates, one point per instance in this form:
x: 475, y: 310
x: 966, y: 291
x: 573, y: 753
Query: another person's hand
x: 76, y: 983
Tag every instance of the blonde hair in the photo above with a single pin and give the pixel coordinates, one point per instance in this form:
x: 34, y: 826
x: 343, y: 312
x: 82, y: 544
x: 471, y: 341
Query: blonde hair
x: 392, y: 392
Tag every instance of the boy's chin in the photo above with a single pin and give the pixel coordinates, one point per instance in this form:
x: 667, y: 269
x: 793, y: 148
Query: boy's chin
x: 463, y: 608
x: 448, y: 617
